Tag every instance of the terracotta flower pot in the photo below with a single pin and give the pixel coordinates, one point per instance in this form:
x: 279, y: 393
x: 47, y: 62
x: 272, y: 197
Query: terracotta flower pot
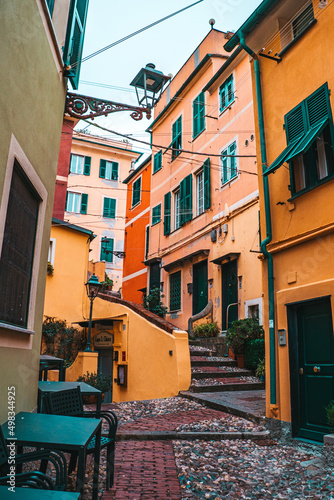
x: 241, y: 360
x: 231, y: 353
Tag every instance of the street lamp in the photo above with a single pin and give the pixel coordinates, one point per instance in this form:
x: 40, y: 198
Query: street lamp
x: 93, y: 287
x: 148, y: 83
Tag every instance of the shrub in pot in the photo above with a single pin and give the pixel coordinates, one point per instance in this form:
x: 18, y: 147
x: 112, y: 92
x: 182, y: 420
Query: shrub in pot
x: 254, y: 353
x: 97, y: 380
x: 241, y: 332
x: 206, y: 330
x: 261, y: 370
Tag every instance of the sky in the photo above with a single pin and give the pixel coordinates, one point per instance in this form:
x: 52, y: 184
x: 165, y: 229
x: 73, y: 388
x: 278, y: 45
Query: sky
x: 167, y: 45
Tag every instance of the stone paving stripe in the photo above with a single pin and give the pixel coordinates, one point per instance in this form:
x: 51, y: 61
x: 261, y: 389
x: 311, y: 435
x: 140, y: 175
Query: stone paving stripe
x: 185, y: 436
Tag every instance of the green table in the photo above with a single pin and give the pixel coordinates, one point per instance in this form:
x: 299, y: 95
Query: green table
x: 86, y: 390
x: 55, y: 432
x: 32, y: 494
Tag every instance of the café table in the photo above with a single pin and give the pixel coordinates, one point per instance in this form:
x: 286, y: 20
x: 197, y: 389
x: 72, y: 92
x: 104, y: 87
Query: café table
x: 47, y: 363
x: 86, y: 390
x: 56, y: 432
x: 33, y: 493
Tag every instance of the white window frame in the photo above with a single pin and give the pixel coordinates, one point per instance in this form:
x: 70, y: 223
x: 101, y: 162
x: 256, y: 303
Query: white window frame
x: 176, y: 209
x: 227, y: 182
x: 199, y: 178
x: 77, y: 194
x: 254, y: 302
x: 79, y: 165
x: 52, y: 251
x: 16, y: 152
x: 109, y: 167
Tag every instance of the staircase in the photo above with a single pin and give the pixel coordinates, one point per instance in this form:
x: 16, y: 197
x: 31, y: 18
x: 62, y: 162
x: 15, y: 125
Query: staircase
x: 218, y: 373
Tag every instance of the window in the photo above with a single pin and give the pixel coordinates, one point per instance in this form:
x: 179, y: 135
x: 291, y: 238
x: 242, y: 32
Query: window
x: 109, y: 170
x: 176, y: 138
x: 302, y: 21
x: 229, y: 167
x: 198, y: 115
x: 80, y: 164
x: 157, y: 163
x: 52, y: 250
x: 76, y: 202
x: 167, y: 213
x: 109, y: 208
x: 74, y: 39
x: 147, y: 241
x: 107, y: 247
x: 309, y: 132
x: 186, y: 205
x: 175, y: 291
x: 156, y: 214
x: 226, y: 93
x: 200, y: 192
x: 177, y: 219
x: 18, y: 246
x: 136, y: 192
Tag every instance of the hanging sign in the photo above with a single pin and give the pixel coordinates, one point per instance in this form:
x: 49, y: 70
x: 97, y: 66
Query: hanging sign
x: 103, y: 340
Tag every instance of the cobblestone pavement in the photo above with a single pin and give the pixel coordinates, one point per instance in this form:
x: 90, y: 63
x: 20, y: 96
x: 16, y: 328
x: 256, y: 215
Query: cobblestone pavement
x: 238, y: 469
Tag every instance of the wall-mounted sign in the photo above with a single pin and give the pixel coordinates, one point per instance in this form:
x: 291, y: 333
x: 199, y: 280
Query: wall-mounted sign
x: 103, y: 340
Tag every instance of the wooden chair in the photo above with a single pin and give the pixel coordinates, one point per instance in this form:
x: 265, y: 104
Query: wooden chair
x: 69, y: 403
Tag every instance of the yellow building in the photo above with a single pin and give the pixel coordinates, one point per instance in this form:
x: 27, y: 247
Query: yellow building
x: 203, y: 236
x: 293, y: 75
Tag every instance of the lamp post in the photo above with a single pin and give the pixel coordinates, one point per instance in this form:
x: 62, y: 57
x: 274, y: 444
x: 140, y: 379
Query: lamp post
x: 148, y: 83
x: 93, y: 287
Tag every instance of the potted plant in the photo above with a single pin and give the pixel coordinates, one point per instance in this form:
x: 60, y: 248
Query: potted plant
x: 261, y: 370
x: 107, y: 284
x: 50, y: 269
x: 210, y: 329
x: 330, y: 413
x: 96, y: 380
x: 240, y: 332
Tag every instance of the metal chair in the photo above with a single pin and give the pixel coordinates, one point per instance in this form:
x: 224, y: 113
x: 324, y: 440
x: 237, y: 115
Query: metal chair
x: 34, y: 479
x: 69, y: 403
x: 55, y: 457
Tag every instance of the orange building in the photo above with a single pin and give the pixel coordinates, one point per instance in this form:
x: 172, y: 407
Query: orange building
x: 204, y: 191
x: 288, y: 42
x: 136, y: 241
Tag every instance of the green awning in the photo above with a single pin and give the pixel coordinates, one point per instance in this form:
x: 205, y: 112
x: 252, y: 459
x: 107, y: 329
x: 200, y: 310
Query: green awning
x: 297, y: 147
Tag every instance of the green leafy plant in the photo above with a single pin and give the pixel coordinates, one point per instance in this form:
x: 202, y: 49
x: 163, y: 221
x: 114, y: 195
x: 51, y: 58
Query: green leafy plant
x: 61, y: 340
x: 254, y: 353
x: 97, y: 380
x: 241, y: 332
x: 152, y: 302
x: 261, y: 369
x: 50, y: 269
x: 330, y: 413
x: 210, y: 329
x: 107, y: 284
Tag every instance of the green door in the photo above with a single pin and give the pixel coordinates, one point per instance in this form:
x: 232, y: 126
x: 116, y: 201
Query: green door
x: 105, y: 367
x: 315, y: 367
x: 200, y: 286
x: 229, y: 293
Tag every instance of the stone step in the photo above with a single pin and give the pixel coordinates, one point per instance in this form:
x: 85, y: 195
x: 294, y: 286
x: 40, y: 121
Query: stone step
x: 241, y: 386
x: 221, y: 374
x: 209, y: 362
x: 204, y: 354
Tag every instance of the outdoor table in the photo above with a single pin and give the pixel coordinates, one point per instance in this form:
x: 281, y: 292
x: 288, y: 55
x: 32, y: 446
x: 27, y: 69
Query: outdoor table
x: 86, y: 390
x: 56, y: 432
x: 47, y: 362
x: 32, y: 493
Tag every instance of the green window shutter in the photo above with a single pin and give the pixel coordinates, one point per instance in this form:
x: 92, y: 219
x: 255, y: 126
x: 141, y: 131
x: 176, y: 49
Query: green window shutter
x: 167, y: 215
x: 195, y: 118
x: 107, y: 247
x: 75, y: 33
x: 206, y: 176
x: 66, y: 207
x: 233, y: 167
x: 147, y: 242
x: 157, y: 163
x: 295, y: 123
x: 87, y: 165
x: 50, y: 4
x: 186, y: 199
x: 318, y: 106
x: 69, y: 167
x: 102, y: 173
x: 109, y: 208
x: 175, y: 291
x: 84, y: 202
x: 114, y: 171
x: 176, y: 137
x: 156, y: 214
x: 198, y: 114
x: 225, y: 165
x: 136, y: 191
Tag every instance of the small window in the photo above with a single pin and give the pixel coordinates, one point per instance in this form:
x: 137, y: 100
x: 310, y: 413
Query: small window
x: 175, y: 291
x: 156, y: 214
x: 109, y: 208
x: 52, y: 250
x: 198, y: 115
x: 157, y: 163
x: 107, y: 247
x: 76, y: 203
x: 302, y: 21
x: 109, y: 170
x: 229, y: 167
x: 177, y: 218
x: 254, y: 311
x: 176, y: 138
x: 136, y: 192
x: 226, y: 93
x: 77, y: 164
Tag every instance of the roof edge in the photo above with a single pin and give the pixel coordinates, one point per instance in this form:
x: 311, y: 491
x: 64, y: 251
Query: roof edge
x: 74, y: 227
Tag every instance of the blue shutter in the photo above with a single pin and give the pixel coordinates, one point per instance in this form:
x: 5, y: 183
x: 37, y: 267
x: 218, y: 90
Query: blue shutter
x: 87, y: 165
x: 114, y: 171
x: 75, y: 33
x: 84, y: 202
x: 167, y: 215
x: 206, y: 178
x: 102, y: 173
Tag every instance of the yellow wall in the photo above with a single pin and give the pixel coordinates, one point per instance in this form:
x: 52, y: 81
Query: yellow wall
x: 152, y: 371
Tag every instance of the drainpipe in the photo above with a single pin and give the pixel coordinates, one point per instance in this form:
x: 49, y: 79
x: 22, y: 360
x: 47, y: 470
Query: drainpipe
x: 267, y: 240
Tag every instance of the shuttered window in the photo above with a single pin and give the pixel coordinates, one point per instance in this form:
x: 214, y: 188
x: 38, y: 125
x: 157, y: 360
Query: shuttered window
x: 198, y: 114
x: 167, y: 213
x: 107, y: 247
x: 18, y: 249
x: 229, y: 167
x: 109, y: 170
x: 186, y: 200
x: 157, y: 162
x: 136, y: 192
x: 109, y: 208
x: 156, y: 214
x: 75, y: 33
x: 76, y: 203
x: 226, y: 93
x: 175, y: 291
x: 147, y: 241
x: 176, y: 137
